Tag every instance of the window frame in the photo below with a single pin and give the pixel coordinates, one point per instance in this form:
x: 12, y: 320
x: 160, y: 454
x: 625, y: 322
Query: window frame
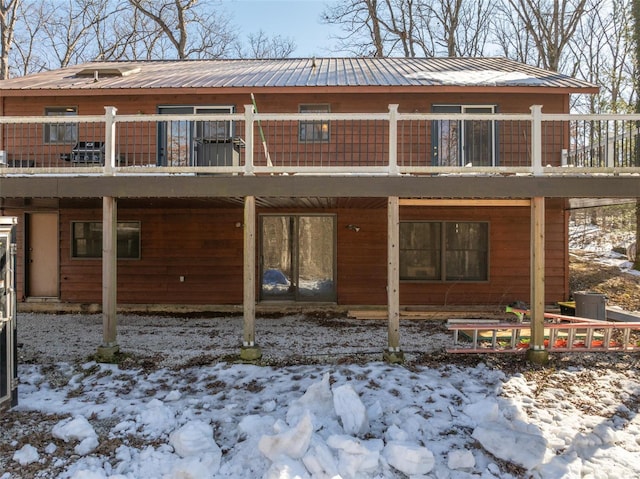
x: 463, y: 129
x: 443, y: 250
x: 69, y: 130
x: 91, y: 255
x: 314, y: 131
x: 191, y: 132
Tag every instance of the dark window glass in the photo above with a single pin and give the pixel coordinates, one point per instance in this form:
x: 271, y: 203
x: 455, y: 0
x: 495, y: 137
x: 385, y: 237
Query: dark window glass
x: 86, y: 241
x: 444, y: 251
x: 460, y: 143
x: 61, y: 132
x: 314, y: 131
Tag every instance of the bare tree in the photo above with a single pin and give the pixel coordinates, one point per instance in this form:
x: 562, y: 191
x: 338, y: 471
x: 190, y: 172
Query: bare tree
x: 114, y: 29
x: 28, y: 53
x: 260, y: 45
x: 188, y: 27
x: 70, y: 30
x: 413, y: 27
x: 462, y: 26
x: 359, y: 20
x: 603, y: 54
x: 550, y: 24
x: 511, y: 36
x: 635, y: 14
x: 8, y: 18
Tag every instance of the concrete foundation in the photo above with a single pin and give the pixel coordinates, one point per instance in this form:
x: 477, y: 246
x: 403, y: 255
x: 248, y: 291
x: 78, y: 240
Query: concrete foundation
x: 393, y: 357
x: 537, y: 356
x: 107, y: 354
x: 250, y: 353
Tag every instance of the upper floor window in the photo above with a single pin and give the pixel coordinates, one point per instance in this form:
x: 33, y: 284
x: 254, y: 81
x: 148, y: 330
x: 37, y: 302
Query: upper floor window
x: 444, y: 251
x: 184, y: 142
x: 86, y: 239
x: 461, y: 143
x: 61, y: 132
x: 317, y: 130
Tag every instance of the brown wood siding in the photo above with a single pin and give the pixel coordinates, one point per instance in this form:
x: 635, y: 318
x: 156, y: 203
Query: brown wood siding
x: 508, y: 257
x: 351, y: 143
x: 288, y: 102
x: 362, y: 256
x: 201, y: 242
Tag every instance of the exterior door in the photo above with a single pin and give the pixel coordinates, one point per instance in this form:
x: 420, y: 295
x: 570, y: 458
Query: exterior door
x: 298, y: 258
x: 42, y: 255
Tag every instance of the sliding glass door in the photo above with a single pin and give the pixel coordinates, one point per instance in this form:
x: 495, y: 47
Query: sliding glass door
x: 297, y: 257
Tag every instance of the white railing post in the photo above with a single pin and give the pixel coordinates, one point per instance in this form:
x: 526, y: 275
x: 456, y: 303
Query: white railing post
x: 249, y: 115
x: 609, y: 161
x: 110, y: 139
x: 393, y: 140
x: 536, y: 139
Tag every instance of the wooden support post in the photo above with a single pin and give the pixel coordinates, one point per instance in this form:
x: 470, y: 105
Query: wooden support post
x: 393, y: 354
x: 249, y: 350
x: 109, y: 347
x: 536, y: 352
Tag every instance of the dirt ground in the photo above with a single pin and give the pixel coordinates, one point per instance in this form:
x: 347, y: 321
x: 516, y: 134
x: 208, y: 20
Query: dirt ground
x: 621, y: 289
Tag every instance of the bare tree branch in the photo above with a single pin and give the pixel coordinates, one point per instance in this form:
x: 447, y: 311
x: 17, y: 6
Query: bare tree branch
x: 191, y: 32
x: 8, y: 20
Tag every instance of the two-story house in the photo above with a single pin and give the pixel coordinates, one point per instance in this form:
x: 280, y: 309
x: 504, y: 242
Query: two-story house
x: 342, y: 181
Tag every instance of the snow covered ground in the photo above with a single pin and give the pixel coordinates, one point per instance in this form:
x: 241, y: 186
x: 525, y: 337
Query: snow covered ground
x: 344, y: 416
x: 181, y: 408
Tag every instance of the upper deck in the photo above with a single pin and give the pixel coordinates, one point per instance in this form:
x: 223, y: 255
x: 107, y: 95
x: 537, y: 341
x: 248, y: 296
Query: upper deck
x: 477, y: 153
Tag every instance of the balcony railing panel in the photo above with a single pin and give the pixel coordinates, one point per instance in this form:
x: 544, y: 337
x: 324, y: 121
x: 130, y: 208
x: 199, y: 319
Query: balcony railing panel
x: 321, y: 143
x: 611, y: 141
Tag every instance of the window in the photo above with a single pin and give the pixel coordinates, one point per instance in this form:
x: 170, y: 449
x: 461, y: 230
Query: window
x: 61, y: 132
x: 195, y: 143
x: 444, y: 251
x: 317, y: 130
x: 86, y: 239
x: 468, y: 142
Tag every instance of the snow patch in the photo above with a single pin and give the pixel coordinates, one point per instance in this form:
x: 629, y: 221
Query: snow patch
x: 350, y: 409
x: 77, y: 429
x: 26, y: 455
x: 520, y: 447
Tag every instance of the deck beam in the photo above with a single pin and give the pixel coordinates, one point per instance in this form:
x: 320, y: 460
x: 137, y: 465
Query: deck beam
x: 305, y: 186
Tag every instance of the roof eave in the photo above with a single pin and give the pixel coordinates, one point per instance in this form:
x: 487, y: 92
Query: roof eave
x: 469, y: 89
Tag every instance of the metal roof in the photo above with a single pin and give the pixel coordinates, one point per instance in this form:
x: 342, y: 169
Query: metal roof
x: 297, y: 72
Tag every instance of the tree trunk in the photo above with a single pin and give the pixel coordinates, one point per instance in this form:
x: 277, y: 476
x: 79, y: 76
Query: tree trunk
x: 635, y: 7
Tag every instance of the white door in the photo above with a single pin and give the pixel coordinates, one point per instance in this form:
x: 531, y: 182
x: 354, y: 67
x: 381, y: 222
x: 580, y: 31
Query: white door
x: 42, y: 255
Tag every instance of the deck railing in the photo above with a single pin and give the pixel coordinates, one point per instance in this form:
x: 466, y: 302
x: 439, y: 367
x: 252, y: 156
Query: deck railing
x: 389, y: 143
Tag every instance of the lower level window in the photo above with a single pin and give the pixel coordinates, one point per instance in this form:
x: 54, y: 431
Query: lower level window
x: 86, y: 239
x: 444, y: 251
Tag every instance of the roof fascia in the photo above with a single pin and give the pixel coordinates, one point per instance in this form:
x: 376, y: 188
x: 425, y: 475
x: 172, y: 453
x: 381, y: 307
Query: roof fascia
x: 303, y: 90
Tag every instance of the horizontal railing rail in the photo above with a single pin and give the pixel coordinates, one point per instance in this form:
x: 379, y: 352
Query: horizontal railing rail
x: 389, y: 143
